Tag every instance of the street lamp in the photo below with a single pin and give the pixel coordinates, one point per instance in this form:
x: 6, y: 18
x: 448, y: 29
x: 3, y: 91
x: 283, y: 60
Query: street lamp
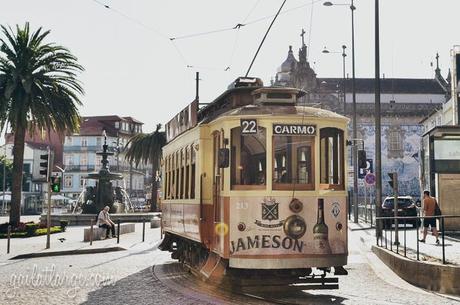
x: 378, y: 144
x: 355, y: 132
x: 326, y: 51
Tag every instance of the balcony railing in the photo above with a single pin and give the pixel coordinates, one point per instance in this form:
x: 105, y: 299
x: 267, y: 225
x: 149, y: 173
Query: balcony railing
x: 68, y: 148
x: 92, y: 168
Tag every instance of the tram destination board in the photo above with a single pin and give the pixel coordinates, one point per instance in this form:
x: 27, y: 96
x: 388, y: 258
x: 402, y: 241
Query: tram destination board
x: 294, y: 130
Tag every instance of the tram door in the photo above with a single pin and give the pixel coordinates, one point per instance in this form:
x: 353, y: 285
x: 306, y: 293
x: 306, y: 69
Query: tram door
x: 216, y: 201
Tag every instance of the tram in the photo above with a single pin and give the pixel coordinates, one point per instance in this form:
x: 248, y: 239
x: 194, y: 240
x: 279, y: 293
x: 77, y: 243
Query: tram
x: 256, y: 182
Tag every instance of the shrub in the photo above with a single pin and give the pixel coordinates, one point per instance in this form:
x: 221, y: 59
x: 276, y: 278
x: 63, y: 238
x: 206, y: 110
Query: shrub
x: 4, y: 228
x: 30, y: 228
x: 64, y: 224
x: 55, y: 229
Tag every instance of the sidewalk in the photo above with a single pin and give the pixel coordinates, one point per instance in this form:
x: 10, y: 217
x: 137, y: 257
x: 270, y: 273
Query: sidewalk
x: 72, y: 239
x: 429, y: 251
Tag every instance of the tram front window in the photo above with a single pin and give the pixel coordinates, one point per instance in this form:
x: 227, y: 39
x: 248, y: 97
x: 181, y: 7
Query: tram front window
x: 293, y: 162
x: 332, y: 159
x: 248, y: 163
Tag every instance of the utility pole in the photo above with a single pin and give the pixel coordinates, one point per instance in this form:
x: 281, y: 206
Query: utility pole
x: 378, y: 143
x: 48, y: 212
x: 355, y: 128
x: 4, y: 177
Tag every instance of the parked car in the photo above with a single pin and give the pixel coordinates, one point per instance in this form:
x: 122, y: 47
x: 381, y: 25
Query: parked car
x: 406, y: 207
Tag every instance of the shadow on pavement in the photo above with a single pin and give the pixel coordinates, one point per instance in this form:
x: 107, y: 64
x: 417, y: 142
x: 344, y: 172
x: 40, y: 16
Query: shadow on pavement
x: 137, y: 289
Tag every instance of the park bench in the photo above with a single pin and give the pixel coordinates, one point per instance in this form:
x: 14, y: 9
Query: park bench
x: 98, y: 233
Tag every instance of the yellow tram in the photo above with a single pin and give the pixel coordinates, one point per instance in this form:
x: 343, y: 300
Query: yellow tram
x: 256, y: 181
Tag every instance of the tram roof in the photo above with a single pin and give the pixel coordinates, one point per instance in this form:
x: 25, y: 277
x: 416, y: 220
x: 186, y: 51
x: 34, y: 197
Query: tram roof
x: 264, y: 109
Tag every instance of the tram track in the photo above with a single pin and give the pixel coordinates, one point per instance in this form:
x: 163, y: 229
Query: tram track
x: 178, y: 278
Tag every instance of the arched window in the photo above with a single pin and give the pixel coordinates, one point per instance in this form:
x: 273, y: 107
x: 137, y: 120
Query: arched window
x: 248, y: 159
x: 332, y: 158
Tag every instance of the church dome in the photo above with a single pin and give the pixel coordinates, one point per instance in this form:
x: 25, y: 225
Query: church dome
x: 289, y: 63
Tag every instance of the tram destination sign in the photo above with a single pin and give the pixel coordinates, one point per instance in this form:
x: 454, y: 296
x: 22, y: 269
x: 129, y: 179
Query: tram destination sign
x: 295, y: 129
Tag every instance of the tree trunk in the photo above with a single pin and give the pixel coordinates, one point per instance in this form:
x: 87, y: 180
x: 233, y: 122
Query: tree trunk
x: 18, y: 164
x: 154, y: 203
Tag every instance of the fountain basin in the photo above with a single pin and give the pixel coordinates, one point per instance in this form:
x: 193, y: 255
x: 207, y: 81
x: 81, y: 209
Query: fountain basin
x: 85, y: 219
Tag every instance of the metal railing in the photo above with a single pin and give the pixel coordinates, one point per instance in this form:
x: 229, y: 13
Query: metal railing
x: 404, y: 220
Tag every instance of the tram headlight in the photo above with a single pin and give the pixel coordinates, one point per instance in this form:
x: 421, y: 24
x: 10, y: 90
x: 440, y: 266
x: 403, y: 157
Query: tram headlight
x: 295, y: 227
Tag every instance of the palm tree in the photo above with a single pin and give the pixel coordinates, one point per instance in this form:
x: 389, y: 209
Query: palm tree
x: 38, y: 91
x: 146, y: 148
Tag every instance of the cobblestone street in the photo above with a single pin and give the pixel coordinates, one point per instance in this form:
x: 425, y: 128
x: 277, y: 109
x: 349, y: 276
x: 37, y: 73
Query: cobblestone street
x: 125, y: 277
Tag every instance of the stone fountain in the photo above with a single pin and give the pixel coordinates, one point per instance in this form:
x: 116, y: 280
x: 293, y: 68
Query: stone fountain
x: 94, y: 198
x: 103, y: 194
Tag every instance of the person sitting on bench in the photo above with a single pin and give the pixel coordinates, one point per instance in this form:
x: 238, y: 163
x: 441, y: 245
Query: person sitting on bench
x: 104, y: 221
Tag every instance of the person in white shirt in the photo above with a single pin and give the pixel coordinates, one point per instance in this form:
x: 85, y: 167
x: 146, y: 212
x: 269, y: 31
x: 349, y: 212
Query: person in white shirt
x: 104, y: 221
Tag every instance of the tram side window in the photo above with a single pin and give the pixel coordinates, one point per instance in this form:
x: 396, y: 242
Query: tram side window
x: 293, y: 162
x: 177, y: 166
x: 187, y: 173
x: 182, y: 173
x: 248, y: 159
x: 166, y: 185
x: 192, y: 184
x: 332, y: 158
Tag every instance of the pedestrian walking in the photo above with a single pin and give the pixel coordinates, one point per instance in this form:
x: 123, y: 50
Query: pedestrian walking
x: 429, y: 208
x: 104, y: 221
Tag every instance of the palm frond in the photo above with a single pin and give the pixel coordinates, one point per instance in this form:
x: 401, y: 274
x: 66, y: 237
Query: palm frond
x: 146, y: 148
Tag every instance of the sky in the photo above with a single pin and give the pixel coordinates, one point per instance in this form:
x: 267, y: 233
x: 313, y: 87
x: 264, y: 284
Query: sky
x: 132, y: 68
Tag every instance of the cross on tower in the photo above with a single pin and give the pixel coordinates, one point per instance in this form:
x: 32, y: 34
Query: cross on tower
x: 303, y: 38
x: 437, y: 60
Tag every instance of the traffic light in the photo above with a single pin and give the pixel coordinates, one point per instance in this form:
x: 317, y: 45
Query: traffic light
x: 44, y: 165
x: 362, y: 159
x: 393, y: 180
x: 55, y: 184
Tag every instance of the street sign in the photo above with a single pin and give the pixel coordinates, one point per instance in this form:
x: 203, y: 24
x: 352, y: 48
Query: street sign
x: 370, y: 179
x: 369, y: 169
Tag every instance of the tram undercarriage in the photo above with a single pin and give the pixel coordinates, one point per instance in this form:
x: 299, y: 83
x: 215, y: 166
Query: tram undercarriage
x: 210, y: 267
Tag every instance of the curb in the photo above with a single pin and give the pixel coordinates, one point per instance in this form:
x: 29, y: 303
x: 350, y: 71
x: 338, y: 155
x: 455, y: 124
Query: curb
x: 430, y: 276
x: 68, y: 252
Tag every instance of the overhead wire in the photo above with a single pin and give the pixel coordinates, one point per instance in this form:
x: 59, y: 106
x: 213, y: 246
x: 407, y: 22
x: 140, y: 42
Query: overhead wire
x: 310, y: 28
x: 237, y: 27
x: 240, y: 25
x: 235, y: 43
x: 140, y: 23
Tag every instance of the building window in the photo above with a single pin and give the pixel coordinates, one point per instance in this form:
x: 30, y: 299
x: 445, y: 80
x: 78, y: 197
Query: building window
x: 248, y: 158
x: 293, y: 162
x: 68, y: 141
x: 395, y: 139
x: 82, y: 182
x: 98, y: 141
x: 67, y: 181
x: 331, y: 158
x: 84, y: 159
x: 26, y: 168
x: 84, y: 141
x: 98, y: 164
x: 68, y: 160
x: 117, y: 125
